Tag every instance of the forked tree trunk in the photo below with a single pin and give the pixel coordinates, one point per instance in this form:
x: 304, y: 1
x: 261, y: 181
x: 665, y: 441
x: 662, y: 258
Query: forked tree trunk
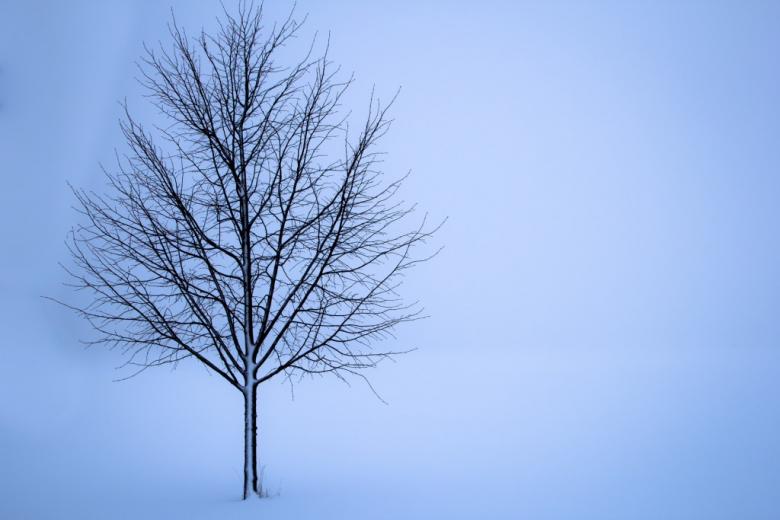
x: 251, y: 484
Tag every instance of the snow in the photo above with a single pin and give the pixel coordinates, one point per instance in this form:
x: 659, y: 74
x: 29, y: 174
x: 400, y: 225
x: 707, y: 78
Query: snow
x: 544, y: 434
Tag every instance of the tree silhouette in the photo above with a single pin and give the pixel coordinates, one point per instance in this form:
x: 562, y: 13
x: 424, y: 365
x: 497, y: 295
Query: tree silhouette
x: 253, y: 233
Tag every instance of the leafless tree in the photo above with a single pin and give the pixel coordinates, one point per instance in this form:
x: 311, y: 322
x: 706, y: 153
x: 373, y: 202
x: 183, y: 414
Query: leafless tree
x: 254, y: 233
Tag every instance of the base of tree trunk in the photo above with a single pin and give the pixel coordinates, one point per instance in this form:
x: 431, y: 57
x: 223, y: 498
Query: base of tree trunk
x: 252, y: 483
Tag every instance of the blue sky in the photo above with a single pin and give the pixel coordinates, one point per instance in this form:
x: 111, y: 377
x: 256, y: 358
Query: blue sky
x: 603, y: 332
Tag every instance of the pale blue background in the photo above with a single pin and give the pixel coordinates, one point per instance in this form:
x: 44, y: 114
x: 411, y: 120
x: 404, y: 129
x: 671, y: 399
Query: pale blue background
x: 604, y: 333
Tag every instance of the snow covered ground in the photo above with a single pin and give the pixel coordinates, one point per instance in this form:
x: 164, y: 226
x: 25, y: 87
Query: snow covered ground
x: 536, y: 433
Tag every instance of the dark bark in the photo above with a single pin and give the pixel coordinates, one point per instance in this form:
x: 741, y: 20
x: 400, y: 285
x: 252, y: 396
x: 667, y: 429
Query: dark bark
x: 251, y: 477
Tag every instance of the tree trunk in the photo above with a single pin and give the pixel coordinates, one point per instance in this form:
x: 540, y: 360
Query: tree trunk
x: 251, y: 485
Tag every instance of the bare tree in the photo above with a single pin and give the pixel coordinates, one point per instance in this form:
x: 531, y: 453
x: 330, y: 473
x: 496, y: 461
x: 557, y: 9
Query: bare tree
x: 253, y: 233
